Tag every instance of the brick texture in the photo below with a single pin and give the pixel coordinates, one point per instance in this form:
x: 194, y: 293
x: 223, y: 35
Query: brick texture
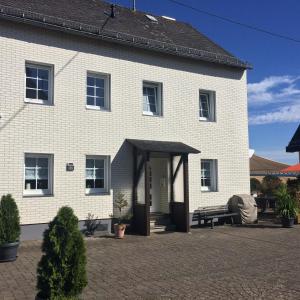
x: 69, y: 131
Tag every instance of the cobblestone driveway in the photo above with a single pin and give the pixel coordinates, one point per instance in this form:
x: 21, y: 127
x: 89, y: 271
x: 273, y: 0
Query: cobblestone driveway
x: 224, y: 263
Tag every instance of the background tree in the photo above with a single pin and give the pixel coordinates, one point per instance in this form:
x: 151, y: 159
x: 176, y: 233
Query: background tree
x: 255, y: 186
x: 62, y: 269
x: 293, y: 186
x: 270, y: 185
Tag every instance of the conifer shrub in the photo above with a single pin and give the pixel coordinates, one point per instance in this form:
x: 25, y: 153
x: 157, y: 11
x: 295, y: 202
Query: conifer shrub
x: 9, y: 220
x: 62, y: 268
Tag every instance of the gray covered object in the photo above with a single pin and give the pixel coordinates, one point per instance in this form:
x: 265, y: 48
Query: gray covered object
x: 246, y: 206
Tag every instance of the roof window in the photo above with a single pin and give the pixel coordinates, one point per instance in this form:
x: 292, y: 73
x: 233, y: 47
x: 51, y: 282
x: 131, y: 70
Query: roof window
x: 151, y: 18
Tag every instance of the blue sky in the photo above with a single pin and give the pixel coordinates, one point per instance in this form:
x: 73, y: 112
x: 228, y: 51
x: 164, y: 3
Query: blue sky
x: 274, y: 83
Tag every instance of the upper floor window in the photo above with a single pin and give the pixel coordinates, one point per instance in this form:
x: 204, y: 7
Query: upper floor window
x: 38, y: 83
x: 97, y: 91
x: 96, y: 169
x: 207, y: 106
x: 209, y: 175
x: 152, y: 99
x: 38, y: 169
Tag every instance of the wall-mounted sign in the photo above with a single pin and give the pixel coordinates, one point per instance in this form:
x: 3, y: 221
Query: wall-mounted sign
x: 70, y: 167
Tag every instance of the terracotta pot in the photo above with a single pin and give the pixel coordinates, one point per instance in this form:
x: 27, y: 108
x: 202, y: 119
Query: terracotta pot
x: 119, y: 230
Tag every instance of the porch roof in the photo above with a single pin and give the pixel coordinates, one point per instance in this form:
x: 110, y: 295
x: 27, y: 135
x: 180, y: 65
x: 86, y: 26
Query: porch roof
x: 162, y: 146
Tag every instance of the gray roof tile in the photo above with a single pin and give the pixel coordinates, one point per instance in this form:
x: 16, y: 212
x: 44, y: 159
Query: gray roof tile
x: 127, y: 27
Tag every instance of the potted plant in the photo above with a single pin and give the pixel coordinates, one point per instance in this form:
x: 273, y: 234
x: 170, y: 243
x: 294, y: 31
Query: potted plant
x: 120, y: 203
x: 9, y: 229
x: 91, y: 224
x: 287, y: 207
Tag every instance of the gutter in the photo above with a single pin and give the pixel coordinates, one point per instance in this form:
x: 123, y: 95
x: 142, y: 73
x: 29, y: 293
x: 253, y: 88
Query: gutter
x: 77, y: 28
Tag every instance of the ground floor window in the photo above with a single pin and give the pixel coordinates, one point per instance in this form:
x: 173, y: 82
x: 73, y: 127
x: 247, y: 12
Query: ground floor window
x: 208, y: 175
x: 96, y: 174
x: 38, y: 169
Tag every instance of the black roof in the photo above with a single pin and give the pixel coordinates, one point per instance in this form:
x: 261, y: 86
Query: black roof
x: 294, y: 144
x: 134, y: 28
x: 162, y: 146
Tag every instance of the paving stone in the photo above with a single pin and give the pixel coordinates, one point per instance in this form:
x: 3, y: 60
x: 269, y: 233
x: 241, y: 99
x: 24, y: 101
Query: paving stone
x: 259, y: 262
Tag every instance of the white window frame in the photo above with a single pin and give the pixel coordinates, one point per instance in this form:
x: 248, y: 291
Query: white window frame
x: 213, y: 175
x: 211, y: 99
x: 40, y: 192
x: 95, y: 191
x: 106, y: 78
x: 50, y: 69
x: 158, y: 98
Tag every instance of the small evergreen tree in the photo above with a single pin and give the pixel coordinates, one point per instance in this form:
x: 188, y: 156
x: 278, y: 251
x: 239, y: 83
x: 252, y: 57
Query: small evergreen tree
x: 9, y: 220
x: 62, y: 268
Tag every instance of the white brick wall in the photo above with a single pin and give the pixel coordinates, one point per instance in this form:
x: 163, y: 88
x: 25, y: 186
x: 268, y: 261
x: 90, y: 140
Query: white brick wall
x: 69, y: 131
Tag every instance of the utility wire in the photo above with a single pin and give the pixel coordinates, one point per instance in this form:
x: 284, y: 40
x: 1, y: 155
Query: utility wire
x: 275, y: 34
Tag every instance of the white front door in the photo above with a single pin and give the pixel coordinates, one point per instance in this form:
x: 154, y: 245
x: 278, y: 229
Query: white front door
x: 154, y: 181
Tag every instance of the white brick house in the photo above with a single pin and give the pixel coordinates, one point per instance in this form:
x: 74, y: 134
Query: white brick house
x: 70, y: 96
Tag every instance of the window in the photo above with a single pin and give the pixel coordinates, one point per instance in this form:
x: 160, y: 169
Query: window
x: 152, y: 99
x: 96, y: 178
x: 38, y: 170
x: 209, y: 175
x: 38, y: 83
x: 207, y: 106
x: 97, y: 91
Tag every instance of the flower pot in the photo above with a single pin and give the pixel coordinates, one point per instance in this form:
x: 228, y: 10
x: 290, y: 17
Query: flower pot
x: 119, y: 230
x: 8, y: 252
x: 287, y: 222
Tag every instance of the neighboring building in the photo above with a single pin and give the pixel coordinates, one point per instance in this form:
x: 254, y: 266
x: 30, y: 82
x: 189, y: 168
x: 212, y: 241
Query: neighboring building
x: 294, y: 144
x: 96, y: 101
x: 261, y: 167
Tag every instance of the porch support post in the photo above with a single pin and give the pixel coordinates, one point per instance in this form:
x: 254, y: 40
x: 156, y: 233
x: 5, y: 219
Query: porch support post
x: 186, y: 191
x: 134, y: 188
x: 177, y: 169
x: 171, y: 179
x: 147, y: 193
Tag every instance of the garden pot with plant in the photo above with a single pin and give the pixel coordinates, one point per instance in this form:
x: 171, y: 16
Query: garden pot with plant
x: 120, y: 226
x: 287, y: 207
x: 9, y: 229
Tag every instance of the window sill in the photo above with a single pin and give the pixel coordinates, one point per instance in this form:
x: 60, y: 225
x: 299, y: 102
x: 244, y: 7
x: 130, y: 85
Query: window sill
x: 152, y: 115
x: 40, y: 102
x: 105, y: 193
x: 37, y: 195
x: 90, y: 107
x: 209, y: 191
x: 207, y: 120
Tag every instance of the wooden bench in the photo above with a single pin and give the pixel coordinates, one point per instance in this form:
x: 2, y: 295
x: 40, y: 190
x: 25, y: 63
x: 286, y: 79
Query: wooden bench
x: 214, y: 212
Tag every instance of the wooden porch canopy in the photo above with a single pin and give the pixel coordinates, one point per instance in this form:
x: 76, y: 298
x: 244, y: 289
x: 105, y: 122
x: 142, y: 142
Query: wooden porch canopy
x: 179, y: 211
x: 161, y: 146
